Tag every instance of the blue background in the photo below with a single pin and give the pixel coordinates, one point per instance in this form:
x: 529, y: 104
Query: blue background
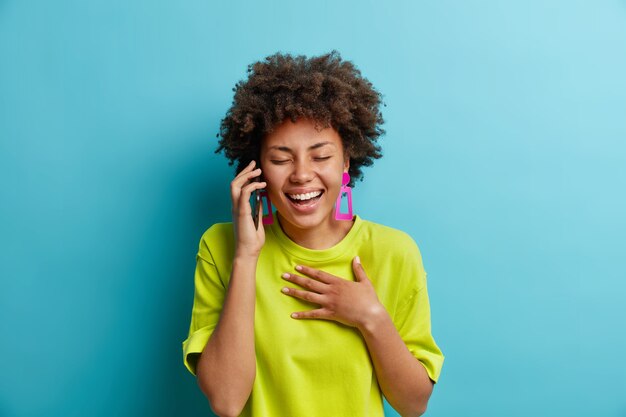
x: 504, y: 158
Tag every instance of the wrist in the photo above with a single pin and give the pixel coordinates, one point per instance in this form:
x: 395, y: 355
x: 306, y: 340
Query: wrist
x: 247, y: 250
x: 374, y: 320
x: 245, y: 256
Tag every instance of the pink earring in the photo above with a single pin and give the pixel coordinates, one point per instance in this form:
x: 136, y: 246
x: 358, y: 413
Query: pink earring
x: 265, y: 200
x: 345, y: 180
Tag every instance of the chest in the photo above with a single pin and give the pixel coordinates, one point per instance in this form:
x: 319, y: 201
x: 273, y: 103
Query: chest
x: 282, y: 341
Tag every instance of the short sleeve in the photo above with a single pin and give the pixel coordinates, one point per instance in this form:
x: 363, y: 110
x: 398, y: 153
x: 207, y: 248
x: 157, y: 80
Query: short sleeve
x: 413, y: 321
x: 209, y: 297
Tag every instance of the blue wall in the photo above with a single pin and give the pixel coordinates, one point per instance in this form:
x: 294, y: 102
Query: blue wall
x: 504, y: 158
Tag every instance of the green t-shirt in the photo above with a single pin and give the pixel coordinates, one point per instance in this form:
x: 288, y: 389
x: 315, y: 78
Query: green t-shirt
x: 311, y: 368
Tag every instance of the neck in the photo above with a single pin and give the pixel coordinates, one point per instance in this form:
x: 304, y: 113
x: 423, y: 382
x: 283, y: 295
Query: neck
x: 324, y: 236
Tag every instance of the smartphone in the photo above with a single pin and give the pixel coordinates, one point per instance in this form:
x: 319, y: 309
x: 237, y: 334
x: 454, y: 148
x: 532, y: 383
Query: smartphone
x: 255, y: 202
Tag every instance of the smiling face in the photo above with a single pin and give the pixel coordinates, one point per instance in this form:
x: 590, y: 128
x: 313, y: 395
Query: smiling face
x: 303, y: 168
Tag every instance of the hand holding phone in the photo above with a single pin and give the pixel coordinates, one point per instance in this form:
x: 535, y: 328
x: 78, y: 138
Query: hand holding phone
x: 249, y: 240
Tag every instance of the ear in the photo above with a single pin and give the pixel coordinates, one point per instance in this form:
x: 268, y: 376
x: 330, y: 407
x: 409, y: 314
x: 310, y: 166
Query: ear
x: 346, y: 162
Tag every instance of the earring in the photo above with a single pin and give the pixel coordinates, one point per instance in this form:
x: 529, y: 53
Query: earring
x: 345, y: 180
x: 265, y: 201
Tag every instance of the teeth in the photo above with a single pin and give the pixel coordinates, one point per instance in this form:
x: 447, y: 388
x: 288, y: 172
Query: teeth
x: 306, y: 196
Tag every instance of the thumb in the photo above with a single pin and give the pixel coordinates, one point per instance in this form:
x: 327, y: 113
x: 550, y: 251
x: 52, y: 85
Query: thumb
x: 359, y: 272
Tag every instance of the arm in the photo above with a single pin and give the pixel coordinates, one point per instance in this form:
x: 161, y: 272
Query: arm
x: 402, y: 378
x: 227, y: 366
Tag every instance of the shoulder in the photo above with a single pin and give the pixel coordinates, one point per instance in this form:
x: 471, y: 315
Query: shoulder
x: 217, y: 232
x: 394, y: 253
x: 390, y: 239
x: 216, y: 242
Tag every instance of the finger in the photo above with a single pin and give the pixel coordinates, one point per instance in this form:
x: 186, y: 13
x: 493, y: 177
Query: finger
x: 359, y: 271
x: 246, y: 192
x: 309, y: 296
x: 241, y: 180
x: 248, y: 167
x: 320, y: 313
x: 257, y: 185
x: 241, y: 198
x: 246, y: 171
x: 319, y: 275
x: 245, y: 177
x: 308, y: 283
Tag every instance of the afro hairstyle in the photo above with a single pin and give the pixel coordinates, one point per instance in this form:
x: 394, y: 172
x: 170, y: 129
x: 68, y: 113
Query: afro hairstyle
x: 326, y: 89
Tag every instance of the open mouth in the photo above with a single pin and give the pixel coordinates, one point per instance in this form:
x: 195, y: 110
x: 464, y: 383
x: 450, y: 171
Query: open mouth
x: 306, y: 199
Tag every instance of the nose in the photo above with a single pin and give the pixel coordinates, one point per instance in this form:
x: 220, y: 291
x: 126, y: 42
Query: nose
x: 302, y: 172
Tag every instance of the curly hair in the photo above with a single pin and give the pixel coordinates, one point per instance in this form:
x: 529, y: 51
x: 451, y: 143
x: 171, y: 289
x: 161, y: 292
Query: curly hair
x: 325, y: 89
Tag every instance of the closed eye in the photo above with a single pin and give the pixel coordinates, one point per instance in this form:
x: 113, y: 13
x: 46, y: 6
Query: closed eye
x: 321, y: 158
x: 279, y: 161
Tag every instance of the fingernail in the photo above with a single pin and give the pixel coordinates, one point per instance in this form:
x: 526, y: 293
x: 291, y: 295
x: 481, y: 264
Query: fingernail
x: 285, y: 275
x: 298, y: 267
x: 294, y: 315
x: 285, y: 290
x: 358, y: 260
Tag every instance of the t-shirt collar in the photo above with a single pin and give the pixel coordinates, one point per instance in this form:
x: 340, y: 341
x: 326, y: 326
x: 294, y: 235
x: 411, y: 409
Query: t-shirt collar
x: 316, y: 255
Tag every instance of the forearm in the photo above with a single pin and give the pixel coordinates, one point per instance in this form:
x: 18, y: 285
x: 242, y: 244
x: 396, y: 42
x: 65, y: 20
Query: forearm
x: 227, y: 367
x: 402, y: 378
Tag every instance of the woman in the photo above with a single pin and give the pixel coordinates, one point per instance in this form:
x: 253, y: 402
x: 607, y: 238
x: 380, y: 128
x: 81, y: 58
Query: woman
x: 316, y: 313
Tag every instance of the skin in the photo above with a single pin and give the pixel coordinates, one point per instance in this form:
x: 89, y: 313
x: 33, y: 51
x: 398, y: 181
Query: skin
x: 227, y: 366
x: 301, y: 157
x: 297, y: 158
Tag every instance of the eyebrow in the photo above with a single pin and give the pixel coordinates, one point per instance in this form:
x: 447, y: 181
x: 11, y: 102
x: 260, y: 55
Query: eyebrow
x: 312, y: 147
